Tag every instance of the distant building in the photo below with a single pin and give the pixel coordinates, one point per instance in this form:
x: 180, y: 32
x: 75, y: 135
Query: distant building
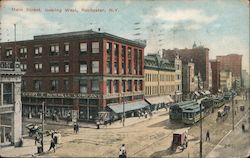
x: 188, y: 84
x: 233, y: 63
x: 210, y: 77
x: 79, y: 73
x: 215, y: 66
x: 159, y: 80
x: 10, y: 103
x: 245, y: 79
x: 225, y: 80
x: 200, y: 57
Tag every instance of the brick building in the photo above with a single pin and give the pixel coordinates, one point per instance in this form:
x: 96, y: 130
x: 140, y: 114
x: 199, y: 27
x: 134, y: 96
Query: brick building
x: 215, y: 66
x: 231, y: 62
x: 188, y: 84
x: 160, y: 83
x: 199, y: 56
x: 82, y: 72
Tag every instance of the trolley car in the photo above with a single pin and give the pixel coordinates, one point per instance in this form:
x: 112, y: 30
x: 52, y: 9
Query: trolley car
x: 176, y: 109
x: 191, y: 115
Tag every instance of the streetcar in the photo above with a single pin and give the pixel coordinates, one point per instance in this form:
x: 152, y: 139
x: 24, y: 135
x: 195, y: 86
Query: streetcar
x: 191, y: 115
x: 219, y: 102
x: 175, y: 110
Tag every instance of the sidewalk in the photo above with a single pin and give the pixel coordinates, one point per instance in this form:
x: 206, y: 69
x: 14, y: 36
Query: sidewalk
x: 117, y: 124
x: 29, y: 149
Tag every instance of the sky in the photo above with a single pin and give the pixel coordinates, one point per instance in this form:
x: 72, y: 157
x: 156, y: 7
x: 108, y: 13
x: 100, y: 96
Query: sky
x: 220, y: 25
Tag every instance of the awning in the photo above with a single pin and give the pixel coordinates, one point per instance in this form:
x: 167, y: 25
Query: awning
x: 207, y: 92
x: 202, y: 93
x: 196, y: 93
x: 159, y: 99
x: 118, y: 108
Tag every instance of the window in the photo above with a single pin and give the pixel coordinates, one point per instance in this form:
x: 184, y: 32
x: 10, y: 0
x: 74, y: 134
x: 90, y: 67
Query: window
x: 66, y: 85
x: 38, y: 85
x: 129, y: 61
x: 116, y: 86
x: 23, y: 85
x: 95, y: 47
x: 95, y: 86
x: 140, y: 85
x: 129, y: 85
x: 38, y: 66
x: 66, y: 47
x: 8, y: 93
x: 109, y: 48
x: 66, y: 67
x: 54, y: 67
x: 115, y: 68
x: 38, y: 51
x: 23, y: 67
x: 135, y: 85
x: 54, y: 85
x: 83, y: 47
x: 95, y: 66
x: 140, y: 62
x: 9, y: 53
x: 116, y: 47
x: 54, y: 50
x: 23, y: 52
x: 135, y: 60
x: 108, y: 86
x: 83, y: 86
x: 124, y: 85
x: 109, y: 67
x: 123, y: 59
x: 83, y: 67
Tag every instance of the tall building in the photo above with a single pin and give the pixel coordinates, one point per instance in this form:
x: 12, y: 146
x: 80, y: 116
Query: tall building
x: 225, y: 80
x: 215, y: 66
x: 233, y: 63
x: 10, y: 103
x: 200, y: 57
x: 159, y: 79
x: 80, y: 73
x: 188, y: 84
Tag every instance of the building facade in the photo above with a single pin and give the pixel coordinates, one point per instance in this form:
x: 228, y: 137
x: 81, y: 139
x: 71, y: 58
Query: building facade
x: 199, y: 56
x: 81, y: 72
x: 159, y: 79
x: 225, y: 80
x: 10, y: 103
x: 178, y: 78
x: 233, y: 63
x: 215, y: 66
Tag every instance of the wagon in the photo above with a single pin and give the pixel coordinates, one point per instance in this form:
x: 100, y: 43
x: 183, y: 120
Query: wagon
x: 179, y: 140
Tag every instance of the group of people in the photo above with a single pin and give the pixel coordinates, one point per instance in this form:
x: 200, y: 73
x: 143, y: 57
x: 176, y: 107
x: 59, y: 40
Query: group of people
x: 122, y: 152
x: 144, y: 114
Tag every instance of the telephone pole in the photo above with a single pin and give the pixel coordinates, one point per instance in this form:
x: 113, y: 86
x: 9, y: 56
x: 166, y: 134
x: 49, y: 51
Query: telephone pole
x: 43, y: 114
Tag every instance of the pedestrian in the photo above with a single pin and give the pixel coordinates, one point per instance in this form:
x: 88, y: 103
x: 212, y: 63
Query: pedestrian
x: 208, y: 136
x: 97, y: 124
x: 243, y: 127
x: 123, y: 150
x: 52, y: 145
x: 74, y: 127
x: 77, y: 128
x: 36, y: 139
x: 120, y: 154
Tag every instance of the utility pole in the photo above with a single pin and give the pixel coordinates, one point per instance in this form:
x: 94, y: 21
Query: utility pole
x: 15, y: 42
x: 123, y: 107
x: 233, y: 110
x: 200, y: 131
x: 43, y: 114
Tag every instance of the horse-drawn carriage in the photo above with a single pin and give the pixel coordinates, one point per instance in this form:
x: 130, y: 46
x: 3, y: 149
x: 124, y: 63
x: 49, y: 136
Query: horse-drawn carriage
x: 33, y: 129
x: 179, y: 140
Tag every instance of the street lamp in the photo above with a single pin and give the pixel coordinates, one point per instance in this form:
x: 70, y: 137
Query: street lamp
x: 200, y: 131
x: 43, y: 114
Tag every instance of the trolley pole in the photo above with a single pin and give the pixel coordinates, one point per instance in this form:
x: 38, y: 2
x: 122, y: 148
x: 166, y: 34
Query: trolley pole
x: 43, y: 113
x: 200, y: 131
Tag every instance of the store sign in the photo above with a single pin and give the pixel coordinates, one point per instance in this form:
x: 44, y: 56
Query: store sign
x: 60, y: 95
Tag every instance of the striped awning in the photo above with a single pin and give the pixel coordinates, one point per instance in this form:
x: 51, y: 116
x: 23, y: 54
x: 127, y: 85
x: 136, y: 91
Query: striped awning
x: 159, y: 99
x: 118, y: 108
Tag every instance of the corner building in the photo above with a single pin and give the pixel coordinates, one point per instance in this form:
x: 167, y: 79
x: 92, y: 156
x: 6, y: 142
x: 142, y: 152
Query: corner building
x: 81, y: 71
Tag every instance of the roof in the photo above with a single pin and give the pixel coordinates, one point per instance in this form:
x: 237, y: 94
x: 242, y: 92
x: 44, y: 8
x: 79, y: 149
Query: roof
x: 88, y: 34
x: 154, y: 61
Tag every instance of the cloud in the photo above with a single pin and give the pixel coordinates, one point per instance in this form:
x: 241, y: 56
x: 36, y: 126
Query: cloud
x: 85, y: 4
x: 28, y: 23
x: 194, y: 15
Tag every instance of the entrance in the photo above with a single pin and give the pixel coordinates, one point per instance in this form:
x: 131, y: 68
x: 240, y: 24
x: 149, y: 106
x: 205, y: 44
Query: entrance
x: 5, y: 135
